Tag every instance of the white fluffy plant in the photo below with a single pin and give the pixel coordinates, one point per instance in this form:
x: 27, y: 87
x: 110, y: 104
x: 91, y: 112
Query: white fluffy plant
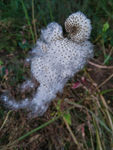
x: 55, y: 60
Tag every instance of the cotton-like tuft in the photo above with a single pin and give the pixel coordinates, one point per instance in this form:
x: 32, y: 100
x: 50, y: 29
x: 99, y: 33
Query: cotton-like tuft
x: 78, y: 26
x: 56, y: 59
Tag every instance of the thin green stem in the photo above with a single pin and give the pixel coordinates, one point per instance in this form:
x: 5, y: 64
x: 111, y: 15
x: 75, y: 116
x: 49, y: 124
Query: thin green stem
x: 28, y: 20
x: 34, y: 21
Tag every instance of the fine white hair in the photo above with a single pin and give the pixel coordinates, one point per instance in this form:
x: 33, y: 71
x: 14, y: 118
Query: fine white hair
x: 56, y: 59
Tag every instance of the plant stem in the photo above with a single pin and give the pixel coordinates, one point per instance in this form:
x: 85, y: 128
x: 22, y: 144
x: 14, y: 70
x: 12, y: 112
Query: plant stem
x: 34, y: 21
x: 28, y: 20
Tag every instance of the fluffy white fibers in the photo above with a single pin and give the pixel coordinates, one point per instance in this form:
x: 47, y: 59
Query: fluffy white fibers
x: 56, y: 59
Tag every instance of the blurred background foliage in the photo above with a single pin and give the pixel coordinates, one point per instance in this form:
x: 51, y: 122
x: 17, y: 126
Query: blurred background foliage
x: 13, y: 19
x: 20, y: 25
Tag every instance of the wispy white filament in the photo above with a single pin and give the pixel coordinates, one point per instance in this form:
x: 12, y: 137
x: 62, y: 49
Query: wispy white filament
x: 56, y: 59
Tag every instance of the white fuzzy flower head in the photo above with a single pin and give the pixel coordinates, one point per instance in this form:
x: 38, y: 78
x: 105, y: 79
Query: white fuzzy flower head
x: 56, y: 59
x: 78, y: 26
x: 52, y: 32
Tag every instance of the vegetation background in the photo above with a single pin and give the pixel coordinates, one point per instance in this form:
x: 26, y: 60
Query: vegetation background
x: 81, y: 118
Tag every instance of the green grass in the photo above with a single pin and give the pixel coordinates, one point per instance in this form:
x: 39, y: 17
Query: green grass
x: 83, y: 118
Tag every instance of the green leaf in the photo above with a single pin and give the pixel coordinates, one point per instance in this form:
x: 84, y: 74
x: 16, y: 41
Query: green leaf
x: 107, y: 59
x: 105, y: 27
x: 67, y: 116
x: 1, y: 62
x: 58, y: 105
x: 106, y: 91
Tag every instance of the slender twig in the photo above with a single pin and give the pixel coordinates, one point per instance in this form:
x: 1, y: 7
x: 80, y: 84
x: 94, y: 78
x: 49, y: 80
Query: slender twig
x: 34, y: 21
x: 100, y: 66
x: 110, y: 53
x: 85, y: 108
x: 103, y: 47
x: 98, y: 37
x: 104, y: 103
x: 31, y: 132
x: 34, y: 130
x: 105, y: 81
x: 70, y: 131
x: 99, y: 142
x: 5, y: 120
x: 68, y: 127
x: 106, y: 108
